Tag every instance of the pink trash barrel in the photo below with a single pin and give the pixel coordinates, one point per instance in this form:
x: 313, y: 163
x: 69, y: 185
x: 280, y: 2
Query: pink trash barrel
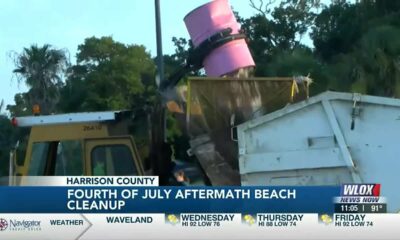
x: 209, y: 19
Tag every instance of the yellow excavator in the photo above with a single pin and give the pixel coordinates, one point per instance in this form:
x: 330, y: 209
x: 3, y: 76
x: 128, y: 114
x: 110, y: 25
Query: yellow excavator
x: 75, y: 144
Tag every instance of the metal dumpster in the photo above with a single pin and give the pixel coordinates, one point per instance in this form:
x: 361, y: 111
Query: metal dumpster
x: 329, y: 139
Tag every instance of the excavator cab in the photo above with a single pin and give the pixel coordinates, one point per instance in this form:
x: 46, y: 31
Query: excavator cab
x: 89, y: 144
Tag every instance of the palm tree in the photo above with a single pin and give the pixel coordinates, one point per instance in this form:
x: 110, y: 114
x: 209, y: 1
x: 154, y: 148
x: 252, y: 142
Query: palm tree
x: 42, y: 69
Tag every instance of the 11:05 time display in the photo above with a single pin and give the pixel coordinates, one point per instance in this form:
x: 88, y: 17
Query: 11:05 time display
x: 361, y: 208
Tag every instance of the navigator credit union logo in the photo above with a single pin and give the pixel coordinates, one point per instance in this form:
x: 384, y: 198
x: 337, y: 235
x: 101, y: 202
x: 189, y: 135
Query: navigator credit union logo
x: 3, y: 224
x: 19, y: 225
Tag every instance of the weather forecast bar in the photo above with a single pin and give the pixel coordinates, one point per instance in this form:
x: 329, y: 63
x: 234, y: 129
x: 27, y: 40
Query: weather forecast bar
x: 198, y: 226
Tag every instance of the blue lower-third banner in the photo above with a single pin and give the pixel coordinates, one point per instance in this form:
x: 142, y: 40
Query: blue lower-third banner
x: 167, y: 199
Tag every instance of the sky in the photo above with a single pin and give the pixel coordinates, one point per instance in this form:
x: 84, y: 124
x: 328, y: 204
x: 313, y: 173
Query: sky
x: 66, y: 23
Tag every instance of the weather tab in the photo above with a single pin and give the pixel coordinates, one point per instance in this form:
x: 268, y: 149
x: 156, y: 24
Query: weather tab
x: 274, y: 220
x: 202, y: 220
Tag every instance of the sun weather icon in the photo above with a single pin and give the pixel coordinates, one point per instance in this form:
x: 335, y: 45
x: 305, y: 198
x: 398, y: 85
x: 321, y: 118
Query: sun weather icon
x: 172, y: 219
x: 326, y: 218
x: 248, y: 219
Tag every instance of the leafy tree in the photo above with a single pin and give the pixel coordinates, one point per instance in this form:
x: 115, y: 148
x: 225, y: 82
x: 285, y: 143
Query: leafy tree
x: 5, y: 144
x: 22, y: 106
x: 42, y: 70
x: 385, y: 7
x: 338, y: 27
x: 378, y: 63
x: 277, y: 29
x: 177, y: 60
x: 356, y: 42
x: 6, y: 140
x: 109, y: 75
x: 299, y: 62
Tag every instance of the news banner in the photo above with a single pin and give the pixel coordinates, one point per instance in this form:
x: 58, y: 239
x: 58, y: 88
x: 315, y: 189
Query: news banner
x: 129, y: 207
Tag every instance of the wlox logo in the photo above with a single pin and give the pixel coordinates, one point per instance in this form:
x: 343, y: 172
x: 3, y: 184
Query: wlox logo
x: 360, y: 190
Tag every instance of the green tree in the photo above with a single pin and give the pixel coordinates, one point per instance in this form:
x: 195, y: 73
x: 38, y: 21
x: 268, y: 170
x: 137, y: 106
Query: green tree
x: 339, y: 26
x: 22, y: 106
x: 378, y: 62
x: 299, y: 62
x: 109, y: 75
x: 277, y: 29
x: 5, y: 144
x: 174, y: 62
x: 6, y: 132
x: 357, y: 43
x: 42, y: 70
